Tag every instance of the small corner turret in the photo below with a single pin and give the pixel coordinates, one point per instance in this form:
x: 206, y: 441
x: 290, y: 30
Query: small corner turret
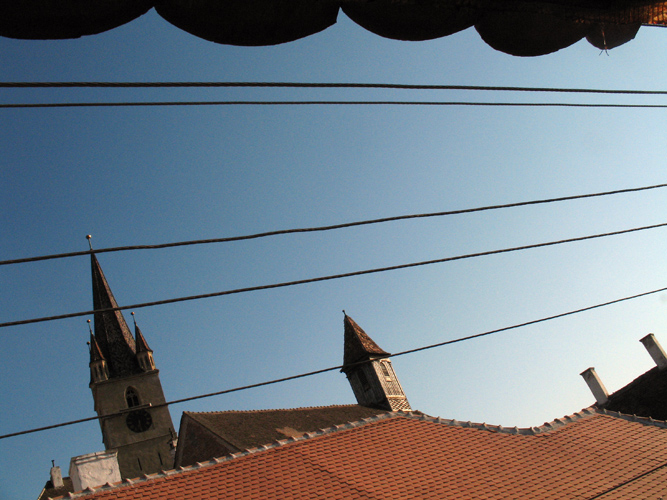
x: 370, y: 372
x: 144, y: 353
x: 99, y: 371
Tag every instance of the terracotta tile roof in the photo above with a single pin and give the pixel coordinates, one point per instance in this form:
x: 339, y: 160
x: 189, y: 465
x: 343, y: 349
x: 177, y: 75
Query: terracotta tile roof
x: 358, y: 346
x: 401, y: 455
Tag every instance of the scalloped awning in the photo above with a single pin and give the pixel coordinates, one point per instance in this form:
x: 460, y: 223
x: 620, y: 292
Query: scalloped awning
x: 517, y: 27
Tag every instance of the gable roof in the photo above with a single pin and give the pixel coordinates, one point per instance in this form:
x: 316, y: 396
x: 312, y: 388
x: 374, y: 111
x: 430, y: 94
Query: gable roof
x: 206, y: 435
x: 645, y: 396
x: 585, y: 456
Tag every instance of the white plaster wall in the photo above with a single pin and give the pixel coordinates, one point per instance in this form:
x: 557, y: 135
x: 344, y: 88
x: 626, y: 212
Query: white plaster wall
x: 94, y: 469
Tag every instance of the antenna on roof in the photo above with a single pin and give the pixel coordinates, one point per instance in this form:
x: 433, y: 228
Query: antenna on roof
x: 88, y: 237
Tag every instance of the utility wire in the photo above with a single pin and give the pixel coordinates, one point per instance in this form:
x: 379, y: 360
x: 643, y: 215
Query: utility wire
x: 629, y: 481
x: 301, y: 85
x: 331, y: 227
x: 330, y: 277
x: 327, y: 103
x: 338, y: 367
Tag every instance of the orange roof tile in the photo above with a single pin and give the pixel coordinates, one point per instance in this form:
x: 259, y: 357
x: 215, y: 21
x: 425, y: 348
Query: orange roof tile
x: 404, y: 455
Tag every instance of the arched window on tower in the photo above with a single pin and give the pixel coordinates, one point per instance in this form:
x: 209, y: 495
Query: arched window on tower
x: 131, y: 397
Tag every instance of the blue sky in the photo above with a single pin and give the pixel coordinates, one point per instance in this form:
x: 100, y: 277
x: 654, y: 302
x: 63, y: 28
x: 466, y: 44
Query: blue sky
x: 154, y: 175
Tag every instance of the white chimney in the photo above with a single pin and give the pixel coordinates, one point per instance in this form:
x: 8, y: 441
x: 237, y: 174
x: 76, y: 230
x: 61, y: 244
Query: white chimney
x: 655, y: 350
x: 94, y: 469
x: 595, y: 385
x: 56, y: 476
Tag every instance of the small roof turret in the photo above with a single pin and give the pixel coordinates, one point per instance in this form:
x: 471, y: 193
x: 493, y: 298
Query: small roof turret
x: 358, y: 346
x: 95, y: 352
x: 142, y: 345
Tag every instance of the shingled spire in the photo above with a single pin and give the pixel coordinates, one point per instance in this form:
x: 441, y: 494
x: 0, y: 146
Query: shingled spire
x: 144, y: 353
x: 111, y: 331
x: 358, y: 346
x: 373, y: 379
x: 99, y: 370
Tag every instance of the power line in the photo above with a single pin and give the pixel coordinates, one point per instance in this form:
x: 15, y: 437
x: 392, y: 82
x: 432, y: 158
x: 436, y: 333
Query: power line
x: 329, y: 103
x: 324, y: 370
x: 301, y: 85
x: 629, y: 481
x: 328, y: 278
x: 335, y: 226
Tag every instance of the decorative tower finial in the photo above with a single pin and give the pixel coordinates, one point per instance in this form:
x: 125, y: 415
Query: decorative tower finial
x: 134, y: 319
x: 88, y: 237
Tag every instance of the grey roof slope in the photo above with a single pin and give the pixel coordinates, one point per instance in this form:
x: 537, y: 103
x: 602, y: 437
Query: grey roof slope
x: 645, y: 396
x: 206, y: 435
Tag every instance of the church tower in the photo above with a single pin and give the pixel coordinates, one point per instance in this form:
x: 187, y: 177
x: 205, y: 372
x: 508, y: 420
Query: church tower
x: 370, y: 372
x: 123, y: 378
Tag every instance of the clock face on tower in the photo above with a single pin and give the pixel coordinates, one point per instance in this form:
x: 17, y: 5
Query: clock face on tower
x: 138, y: 420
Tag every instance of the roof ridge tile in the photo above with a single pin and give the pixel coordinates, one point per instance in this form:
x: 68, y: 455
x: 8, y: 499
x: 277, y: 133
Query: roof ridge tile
x: 269, y: 409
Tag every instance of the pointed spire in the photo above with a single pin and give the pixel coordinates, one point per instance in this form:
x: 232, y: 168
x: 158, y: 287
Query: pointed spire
x: 112, y: 334
x: 358, y: 346
x: 95, y: 352
x: 142, y: 345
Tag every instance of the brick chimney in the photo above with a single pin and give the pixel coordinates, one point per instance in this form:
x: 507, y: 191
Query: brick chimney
x: 595, y: 385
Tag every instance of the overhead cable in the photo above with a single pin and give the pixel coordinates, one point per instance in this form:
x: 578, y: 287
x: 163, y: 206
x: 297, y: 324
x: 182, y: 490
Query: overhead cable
x: 330, y: 277
x: 629, y: 481
x: 301, y: 85
x: 329, y: 103
x: 333, y: 368
x: 334, y: 226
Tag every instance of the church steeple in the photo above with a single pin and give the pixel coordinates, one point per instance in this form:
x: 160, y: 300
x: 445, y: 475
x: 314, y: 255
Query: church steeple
x: 111, y: 331
x: 126, y: 389
x: 369, y: 371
